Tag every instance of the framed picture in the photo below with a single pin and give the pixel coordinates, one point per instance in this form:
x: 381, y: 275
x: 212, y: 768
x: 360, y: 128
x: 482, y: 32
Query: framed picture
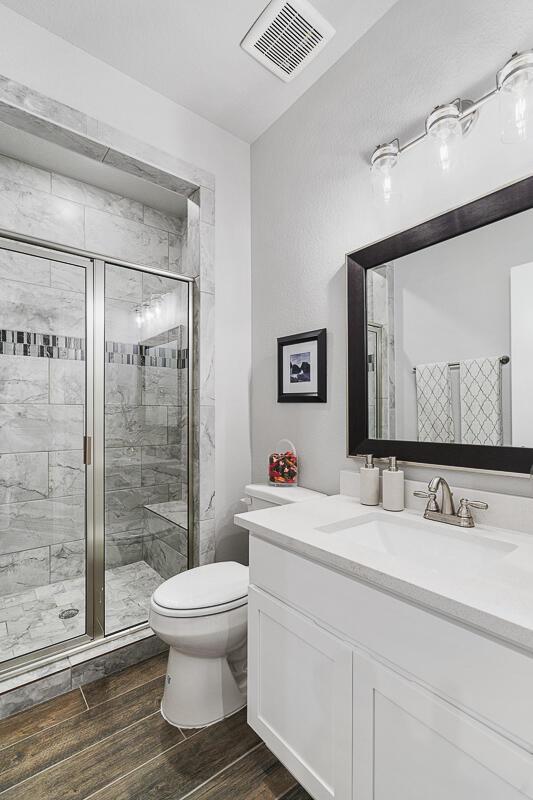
x: 302, y: 370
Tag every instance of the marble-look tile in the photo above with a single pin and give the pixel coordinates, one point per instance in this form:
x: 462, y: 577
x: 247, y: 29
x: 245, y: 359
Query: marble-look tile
x: 67, y: 276
x: 67, y: 381
x: 29, y: 428
x: 147, y: 161
x: 40, y: 214
x: 23, y: 476
x: 34, y: 102
x: 207, y: 349
x: 120, y: 321
x: 174, y: 535
x: 163, y: 559
x: 207, y: 462
x: 39, y: 523
x: 115, y: 660
x: 207, y: 258
x: 160, y: 386
x: 124, y: 508
x: 51, y: 131
x: 23, y: 379
x: 125, y: 427
x: 123, y: 548
x: 41, y: 309
x: 158, y: 285
x: 36, y: 692
x: 25, y: 268
x: 190, y: 260
x: 162, y: 464
x: 22, y: 570
x: 175, y: 253
x: 122, y: 467
x: 123, y: 385
x: 207, y: 205
x: 17, y: 171
x: 92, y: 196
x: 125, y: 239
x: 66, y: 473
x: 67, y: 560
x: 177, y: 425
x: 123, y: 283
x: 207, y: 541
x: 166, y: 222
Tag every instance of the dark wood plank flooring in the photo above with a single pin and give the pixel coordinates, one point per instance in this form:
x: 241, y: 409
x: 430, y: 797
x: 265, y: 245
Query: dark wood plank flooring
x: 108, y: 741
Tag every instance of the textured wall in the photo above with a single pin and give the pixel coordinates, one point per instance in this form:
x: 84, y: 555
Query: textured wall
x: 312, y: 200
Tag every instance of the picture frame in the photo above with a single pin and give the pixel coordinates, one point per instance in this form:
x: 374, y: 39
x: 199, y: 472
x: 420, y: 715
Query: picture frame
x: 302, y: 367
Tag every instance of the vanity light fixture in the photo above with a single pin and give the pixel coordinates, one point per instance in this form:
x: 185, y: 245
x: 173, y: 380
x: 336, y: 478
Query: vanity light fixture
x: 515, y: 86
x: 447, y: 124
x: 383, y: 160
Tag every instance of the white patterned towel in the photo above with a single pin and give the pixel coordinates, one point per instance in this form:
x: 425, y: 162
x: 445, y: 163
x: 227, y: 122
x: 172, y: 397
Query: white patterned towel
x: 434, y: 403
x: 481, y: 401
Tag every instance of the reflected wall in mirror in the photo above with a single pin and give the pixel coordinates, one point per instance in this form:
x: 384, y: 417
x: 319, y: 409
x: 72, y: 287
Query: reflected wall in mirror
x: 441, y: 338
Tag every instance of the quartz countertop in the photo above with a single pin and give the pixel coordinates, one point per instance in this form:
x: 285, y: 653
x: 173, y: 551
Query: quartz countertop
x: 495, y: 598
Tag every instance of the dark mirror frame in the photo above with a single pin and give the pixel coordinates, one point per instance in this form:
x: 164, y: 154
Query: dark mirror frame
x: 493, y: 207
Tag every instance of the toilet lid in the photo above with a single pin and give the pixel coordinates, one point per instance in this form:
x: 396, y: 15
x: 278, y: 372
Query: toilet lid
x: 204, y: 587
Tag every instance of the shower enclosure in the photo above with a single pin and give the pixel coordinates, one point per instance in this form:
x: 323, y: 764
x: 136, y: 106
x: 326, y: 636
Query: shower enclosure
x: 94, y: 430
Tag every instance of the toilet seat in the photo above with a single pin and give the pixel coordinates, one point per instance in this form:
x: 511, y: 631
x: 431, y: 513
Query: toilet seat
x: 203, y: 591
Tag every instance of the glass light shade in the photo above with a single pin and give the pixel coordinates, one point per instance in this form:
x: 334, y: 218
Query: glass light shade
x: 384, y: 160
x: 515, y: 82
x: 444, y: 127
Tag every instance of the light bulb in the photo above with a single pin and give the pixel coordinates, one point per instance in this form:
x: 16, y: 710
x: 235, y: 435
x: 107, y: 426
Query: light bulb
x: 443, y: 126
x: 515, y: 84
x: 384, y: 159
x: 138, y: 317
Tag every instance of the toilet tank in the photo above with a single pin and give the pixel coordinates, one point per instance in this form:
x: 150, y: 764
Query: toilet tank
x: 263, y: 495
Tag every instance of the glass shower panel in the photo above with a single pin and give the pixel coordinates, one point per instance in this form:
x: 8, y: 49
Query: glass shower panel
x: 146, y: 413
x: 43, y: 335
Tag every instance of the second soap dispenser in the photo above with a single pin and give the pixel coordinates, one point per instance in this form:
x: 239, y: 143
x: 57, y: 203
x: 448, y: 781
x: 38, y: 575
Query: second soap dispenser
x: 393, y: 487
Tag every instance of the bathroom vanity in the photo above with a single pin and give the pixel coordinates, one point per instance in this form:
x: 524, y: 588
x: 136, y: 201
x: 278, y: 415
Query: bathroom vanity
x: 391, y: 656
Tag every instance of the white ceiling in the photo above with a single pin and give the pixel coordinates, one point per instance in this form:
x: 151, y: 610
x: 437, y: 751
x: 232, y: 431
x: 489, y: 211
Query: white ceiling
x: 188, y: 50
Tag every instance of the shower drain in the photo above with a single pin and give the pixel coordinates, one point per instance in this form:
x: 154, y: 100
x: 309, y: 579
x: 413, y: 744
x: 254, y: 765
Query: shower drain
x: 68, y: 613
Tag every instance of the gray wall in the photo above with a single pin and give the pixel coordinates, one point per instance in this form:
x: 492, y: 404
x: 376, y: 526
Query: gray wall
x: 312, y: 198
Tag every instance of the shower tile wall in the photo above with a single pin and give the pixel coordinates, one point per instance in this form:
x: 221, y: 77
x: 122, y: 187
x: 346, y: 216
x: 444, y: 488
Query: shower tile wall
x: 42, y: 395
x: 41, y: 399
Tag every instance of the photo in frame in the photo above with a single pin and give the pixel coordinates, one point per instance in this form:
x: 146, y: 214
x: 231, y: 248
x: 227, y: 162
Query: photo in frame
x: 302, y: 367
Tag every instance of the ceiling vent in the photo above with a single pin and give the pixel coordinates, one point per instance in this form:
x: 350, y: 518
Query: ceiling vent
x: 287, y: 36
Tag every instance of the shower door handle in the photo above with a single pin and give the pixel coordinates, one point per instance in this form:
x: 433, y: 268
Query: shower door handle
x: 87, y: 449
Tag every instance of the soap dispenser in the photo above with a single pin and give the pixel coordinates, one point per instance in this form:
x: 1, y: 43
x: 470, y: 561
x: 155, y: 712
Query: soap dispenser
x: 369, y: 486
x: 393, y: 487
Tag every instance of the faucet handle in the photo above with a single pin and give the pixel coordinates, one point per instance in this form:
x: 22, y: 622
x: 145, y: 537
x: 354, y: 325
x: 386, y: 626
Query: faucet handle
x: 432, y: 504
x: 465, y: 506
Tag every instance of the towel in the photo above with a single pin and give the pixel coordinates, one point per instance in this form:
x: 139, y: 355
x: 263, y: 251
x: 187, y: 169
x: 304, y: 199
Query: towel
x: 434, y: 403
x: 481, y: 401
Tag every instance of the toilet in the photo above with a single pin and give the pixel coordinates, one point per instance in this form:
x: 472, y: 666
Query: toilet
x: 202, y: 615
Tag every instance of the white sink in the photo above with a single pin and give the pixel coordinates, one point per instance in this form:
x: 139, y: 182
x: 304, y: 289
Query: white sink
x: 432, y: 545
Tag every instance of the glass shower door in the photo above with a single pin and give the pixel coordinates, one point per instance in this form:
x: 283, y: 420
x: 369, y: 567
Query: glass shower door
x: 44, y: 303
x: 146, y: 422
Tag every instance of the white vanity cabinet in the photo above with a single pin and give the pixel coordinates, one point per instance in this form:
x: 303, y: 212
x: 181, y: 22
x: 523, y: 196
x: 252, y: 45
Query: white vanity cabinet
x: 366, y: 697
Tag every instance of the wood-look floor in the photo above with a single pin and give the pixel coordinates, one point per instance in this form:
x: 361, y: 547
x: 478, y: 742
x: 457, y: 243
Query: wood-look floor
x: 108, y: 741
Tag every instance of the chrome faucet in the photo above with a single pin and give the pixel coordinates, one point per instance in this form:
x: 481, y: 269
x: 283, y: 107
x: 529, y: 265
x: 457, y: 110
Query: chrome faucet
x: 446, y: 511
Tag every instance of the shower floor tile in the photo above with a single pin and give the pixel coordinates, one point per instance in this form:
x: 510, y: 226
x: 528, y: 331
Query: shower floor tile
x: 31, y: 621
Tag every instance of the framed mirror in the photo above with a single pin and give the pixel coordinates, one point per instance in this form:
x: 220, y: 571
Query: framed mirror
x: 440, y: 338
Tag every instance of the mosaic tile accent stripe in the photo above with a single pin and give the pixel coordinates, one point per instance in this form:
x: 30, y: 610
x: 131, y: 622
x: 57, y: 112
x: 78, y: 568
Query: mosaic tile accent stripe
x: 47, y: 345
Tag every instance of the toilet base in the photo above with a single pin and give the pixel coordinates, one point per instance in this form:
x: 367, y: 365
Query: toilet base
x: 199, y: 691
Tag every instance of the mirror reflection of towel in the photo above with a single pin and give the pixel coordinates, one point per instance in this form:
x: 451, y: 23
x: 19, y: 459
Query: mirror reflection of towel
x: 481, y: 401
x: 434, y: 403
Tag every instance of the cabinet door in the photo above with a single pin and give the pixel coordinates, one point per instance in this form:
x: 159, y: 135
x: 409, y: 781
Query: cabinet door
x: 300, y: 696
x: 411, y: 745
